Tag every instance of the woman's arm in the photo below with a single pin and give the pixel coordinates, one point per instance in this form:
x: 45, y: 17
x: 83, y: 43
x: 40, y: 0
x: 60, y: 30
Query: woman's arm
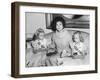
x: 70, y: 43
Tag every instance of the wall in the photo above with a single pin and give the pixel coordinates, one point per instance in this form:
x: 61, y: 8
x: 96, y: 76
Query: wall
x: 35, y: 21
x: 5, y: 40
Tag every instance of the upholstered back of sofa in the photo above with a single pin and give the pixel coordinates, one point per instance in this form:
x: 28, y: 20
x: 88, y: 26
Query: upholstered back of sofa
x: 48, y: 36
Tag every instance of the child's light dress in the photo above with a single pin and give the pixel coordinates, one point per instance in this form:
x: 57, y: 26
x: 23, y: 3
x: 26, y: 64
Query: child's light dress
x: 40, y: 56
x: 78, y: 48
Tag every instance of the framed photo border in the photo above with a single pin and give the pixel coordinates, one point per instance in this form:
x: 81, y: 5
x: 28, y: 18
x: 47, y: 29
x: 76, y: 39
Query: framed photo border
x: 15, y: 69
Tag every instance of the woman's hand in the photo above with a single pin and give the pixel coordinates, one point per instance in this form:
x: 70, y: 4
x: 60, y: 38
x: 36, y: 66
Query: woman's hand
x: 65, y: 53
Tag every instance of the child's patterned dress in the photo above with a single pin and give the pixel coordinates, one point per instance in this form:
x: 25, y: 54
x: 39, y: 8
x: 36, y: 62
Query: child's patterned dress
x: 78, y: 48
x: 39, y: 45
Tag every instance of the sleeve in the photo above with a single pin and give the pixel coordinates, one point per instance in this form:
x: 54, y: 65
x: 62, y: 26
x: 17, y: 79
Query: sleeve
x: 52, y: 44
x: 70, y: 42
x: 69, y: 45
x: 73, y: 48
x: 45, y: 43
x: 82, y: 49
x: 35, y: 45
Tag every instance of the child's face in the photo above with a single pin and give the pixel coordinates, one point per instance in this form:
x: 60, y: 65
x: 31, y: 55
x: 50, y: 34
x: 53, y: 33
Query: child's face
x: 59, y: 26
x: 41, y: 35
x: 76, y: 38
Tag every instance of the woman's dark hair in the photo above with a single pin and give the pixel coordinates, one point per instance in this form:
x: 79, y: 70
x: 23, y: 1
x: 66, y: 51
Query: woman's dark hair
x: 55, y: 20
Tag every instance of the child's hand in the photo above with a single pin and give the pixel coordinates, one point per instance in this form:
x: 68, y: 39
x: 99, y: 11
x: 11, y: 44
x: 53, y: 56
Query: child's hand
x: 65, y: 53
x: 59, y: 61
x: 76, y: 47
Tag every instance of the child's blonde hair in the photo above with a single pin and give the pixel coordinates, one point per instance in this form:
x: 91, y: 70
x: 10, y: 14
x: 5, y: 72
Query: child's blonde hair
x: 38, y: 31
x: 80, y: 36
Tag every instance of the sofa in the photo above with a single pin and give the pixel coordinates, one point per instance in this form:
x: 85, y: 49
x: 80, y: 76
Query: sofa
x: 66, y: 61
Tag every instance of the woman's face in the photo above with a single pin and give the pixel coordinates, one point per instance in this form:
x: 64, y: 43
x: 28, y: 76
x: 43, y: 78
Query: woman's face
x: 59, y: 26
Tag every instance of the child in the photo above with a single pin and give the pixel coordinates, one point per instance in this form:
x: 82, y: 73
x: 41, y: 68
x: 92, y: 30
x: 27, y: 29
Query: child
x: 39, y: 47
x: 78, y: 49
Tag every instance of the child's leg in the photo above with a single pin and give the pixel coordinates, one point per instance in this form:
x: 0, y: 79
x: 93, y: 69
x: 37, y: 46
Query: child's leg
x: 37, y: 61
x: 48, y: 63
x: 43, y: 60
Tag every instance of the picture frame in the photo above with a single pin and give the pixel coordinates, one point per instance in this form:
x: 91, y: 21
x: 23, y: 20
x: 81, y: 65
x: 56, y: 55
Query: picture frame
x: 22, y: 19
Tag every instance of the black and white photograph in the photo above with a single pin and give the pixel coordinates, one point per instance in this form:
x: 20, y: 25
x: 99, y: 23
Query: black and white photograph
x: 51, y: 39
x: 56, y: 39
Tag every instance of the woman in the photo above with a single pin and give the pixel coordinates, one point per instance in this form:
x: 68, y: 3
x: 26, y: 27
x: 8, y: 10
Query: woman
x: 62, y: 40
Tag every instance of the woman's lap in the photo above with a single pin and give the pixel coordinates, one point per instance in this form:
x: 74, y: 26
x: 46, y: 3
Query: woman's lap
x: 53, y: 59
